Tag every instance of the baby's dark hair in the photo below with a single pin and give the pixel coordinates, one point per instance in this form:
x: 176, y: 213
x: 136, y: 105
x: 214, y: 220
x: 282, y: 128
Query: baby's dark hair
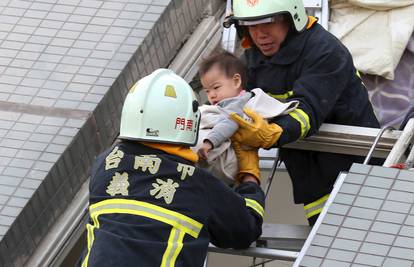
x: 227, y: 62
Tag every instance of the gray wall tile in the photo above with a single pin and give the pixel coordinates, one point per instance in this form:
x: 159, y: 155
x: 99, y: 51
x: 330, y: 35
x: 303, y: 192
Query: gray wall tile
x: 340, y: 255
x: 317, y: 251
x: 392, y: 217
x: 401, y: 196
x: 344, y: 199
x: 407, y: 231
x: 309, y: 261
x: 384, y: 227
x: 362, y: 213
x: 332, y: 263
x: 373, y: 192
x: 10, y: 180
x: 406, y: 175
x: 333, y: 219
x: 375, y: 249
x: 401, y: 253
x: 357, y: 223
x: 365, y: 202
x: 369, y: 259
x: 346, y: 244
x: 378, y: 182
x: 350, y: 188
x: 384, y: 172
x: 322, y: 241
x: 390, y: 262
x: 404, y: 186
x: 396, y: 206
x: 405, y: 242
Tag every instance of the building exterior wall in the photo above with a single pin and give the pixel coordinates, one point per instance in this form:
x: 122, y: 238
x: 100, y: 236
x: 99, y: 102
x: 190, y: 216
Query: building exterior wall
x: 65, y: 68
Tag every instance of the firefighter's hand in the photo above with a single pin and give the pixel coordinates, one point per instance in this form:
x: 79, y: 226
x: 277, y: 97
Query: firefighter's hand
x: 248, y: 160
x: 258, y: 133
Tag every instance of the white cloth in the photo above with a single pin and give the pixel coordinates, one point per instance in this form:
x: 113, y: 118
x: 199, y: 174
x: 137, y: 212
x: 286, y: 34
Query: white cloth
x: 376, y: 32
x: 222, y: 160
x: 269, y: 107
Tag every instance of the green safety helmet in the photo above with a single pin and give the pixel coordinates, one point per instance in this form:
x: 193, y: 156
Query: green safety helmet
x: 161, y: 108
x: 252, y: 12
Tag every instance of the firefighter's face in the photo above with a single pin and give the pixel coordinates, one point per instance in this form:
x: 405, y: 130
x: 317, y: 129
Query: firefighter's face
x: 218, y: 86
x: 269, y: 36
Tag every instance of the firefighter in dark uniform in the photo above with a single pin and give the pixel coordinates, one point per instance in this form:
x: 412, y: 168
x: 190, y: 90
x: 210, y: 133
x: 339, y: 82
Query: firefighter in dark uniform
x: 149, y: 204
x: 291, y: 57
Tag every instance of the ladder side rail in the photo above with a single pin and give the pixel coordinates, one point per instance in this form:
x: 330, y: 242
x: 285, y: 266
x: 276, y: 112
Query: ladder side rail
x: 229, y: 38
x: 345, y: 139
x: 401, y: 145
x: 410, y: 159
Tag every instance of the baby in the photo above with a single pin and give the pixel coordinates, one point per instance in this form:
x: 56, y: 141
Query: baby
x: 223, y: 77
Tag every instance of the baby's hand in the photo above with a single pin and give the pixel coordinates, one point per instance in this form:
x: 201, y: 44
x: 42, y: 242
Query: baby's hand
x: 204, y: 149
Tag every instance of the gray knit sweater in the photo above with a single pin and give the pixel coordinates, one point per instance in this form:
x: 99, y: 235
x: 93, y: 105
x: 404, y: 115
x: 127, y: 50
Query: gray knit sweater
x: 226, y: 127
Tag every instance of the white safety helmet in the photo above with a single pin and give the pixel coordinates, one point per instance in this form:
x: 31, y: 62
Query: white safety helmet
x: 161, y: 108
x: 251, y: 12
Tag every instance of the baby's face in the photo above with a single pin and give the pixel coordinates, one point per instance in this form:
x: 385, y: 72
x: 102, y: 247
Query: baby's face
x: 218, y: 86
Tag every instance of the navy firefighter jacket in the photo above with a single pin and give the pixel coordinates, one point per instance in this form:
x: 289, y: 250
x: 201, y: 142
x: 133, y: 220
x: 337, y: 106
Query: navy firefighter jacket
x: 151, y: 208
x: 314, y: 68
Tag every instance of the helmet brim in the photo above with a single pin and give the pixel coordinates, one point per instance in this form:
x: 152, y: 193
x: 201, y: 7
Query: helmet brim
x: 256, y: 22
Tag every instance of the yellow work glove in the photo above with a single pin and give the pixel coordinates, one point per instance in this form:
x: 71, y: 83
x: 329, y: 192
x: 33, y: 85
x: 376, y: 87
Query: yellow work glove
x: 258, y: 132
x: 248, y: 162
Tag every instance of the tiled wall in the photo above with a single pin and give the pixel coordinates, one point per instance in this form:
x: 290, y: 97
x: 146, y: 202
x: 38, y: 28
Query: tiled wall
x: 65, y: 67
x: 369, y: 223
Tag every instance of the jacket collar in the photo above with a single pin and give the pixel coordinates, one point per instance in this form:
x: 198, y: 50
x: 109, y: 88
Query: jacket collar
x: 181, y: 151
